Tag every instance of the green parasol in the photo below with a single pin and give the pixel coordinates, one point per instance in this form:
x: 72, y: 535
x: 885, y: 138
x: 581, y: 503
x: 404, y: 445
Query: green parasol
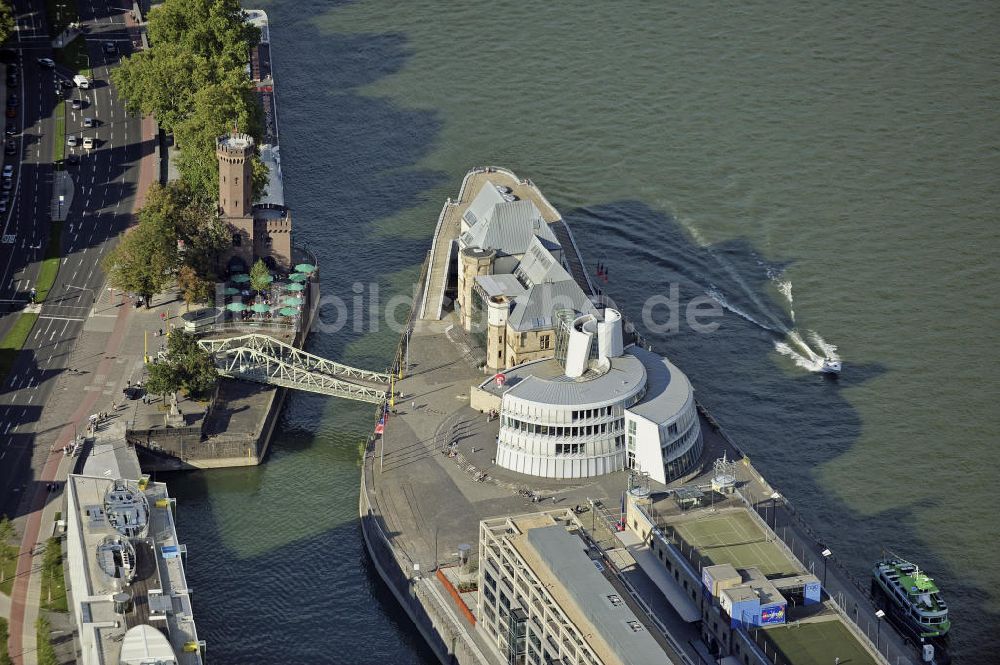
x: 294, y: 301
x: 260, y: 308
x: 230, y: 291
x: 288, y: 311
x: 236, y: 307
x: 241, y: 278
x: 295, y: 287
x: 305, y: 267
x: 298, y: 277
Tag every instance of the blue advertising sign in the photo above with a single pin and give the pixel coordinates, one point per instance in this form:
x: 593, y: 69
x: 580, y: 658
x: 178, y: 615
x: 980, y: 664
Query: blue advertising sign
x: 774, y: 614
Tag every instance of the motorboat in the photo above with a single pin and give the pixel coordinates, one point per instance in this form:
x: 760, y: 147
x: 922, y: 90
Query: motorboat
x: 830, y: 366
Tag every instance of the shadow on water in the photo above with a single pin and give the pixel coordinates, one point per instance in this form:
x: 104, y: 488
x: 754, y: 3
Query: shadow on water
x: 788, y: 420
x: 348, y: 158
x: 318, y: 597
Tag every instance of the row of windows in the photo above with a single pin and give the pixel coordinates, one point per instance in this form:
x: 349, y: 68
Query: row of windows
x: 587, y: 414
x: 561, y: 430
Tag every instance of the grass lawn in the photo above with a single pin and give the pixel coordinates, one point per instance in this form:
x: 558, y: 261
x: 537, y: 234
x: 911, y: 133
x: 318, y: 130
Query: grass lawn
x: 74, y: 56
x: 9, y: 563
x: 45, y: 654
x: 12, y: 342
x: 53, y: 581
x: 50, y: 264
x: 60, y: 13
x: 819, y: 643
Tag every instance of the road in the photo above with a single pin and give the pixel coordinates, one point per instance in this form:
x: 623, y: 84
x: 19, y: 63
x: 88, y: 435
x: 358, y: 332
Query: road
x: 104, y: 184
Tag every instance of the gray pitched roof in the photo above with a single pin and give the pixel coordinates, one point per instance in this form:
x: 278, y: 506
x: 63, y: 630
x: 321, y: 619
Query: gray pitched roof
x: 482, y: 205
x: 534, y: 309
x: 500, y: 285
x: 509, y: 228
x: 539, y: 265
x: 667, y: 388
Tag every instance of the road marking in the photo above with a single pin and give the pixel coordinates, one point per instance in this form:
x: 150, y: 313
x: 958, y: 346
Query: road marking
x: 60, y: 318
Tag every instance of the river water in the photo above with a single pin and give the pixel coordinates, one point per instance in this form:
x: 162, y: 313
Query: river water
x: 828, y: 172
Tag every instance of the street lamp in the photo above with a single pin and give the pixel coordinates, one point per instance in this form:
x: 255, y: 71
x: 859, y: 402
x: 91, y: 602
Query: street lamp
x: 774, y: 509
x: 878, y: 633
x: 826, y: 555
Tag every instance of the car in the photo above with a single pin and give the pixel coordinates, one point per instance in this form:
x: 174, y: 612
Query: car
x: 66, y: 83
x: 11, y: 111
x: 8, y: 170
x: 10, y: 148
x: 12, y: 78
x: 11, y: 129
x: 3, y: 207
x: 48, y: 63
x: 12, y: 101
x: 71, y: 140
x: 110, y: 48
x: 77, y: 104
x: 88, y: 142
x: 4, y: 197
x: 82, y: 81
x: 73, y: 159
x: 90, y: 122
x: 8, y: 183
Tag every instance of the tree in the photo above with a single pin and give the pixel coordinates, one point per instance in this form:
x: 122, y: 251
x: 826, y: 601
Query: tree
x: 194, y: 288
x: 215, y: 29
x: 162, y: 379
x: 215, y: 109
x: 162, y: 81
x: 206, y: 246
x: 143, y: 262
x: 260, y: 276
x: 6, y: 21
x: 190, y: 367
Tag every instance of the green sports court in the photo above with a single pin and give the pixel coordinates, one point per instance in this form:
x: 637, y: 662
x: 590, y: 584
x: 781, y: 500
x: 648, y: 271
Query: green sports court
x: 732, y: 537
x: 817, y: 643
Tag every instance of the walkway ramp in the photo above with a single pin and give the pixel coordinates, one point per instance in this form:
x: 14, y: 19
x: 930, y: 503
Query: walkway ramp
x: 263, y: 359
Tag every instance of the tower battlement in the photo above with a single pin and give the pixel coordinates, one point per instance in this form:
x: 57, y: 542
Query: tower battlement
x: 234, y: 146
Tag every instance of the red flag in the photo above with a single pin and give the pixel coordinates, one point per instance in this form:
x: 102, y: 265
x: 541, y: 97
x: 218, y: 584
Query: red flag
x: 381, y: 424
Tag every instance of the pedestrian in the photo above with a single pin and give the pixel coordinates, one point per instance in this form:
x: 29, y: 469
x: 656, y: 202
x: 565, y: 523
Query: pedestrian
x: 413, y: 405
x: 128, y: 383
x: 160, y: 333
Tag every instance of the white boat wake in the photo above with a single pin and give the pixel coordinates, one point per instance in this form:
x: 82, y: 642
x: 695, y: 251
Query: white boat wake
x: 810, y: 355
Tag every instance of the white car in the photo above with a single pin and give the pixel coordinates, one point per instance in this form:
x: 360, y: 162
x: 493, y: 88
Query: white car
x: 81, y: 81
x: 88, y: 143
x: 71, y: 141
x: 48, y: 63
x: 8, y: 170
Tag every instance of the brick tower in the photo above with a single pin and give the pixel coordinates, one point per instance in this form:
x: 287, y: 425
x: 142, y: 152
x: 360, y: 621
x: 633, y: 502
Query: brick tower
x: 236, y: 191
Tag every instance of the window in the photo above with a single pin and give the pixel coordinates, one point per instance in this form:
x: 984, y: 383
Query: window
x: 672, y: 429
x: 545, y: 341
x: 237, y: 240
x: 631, y: 427
x: 236, y: 180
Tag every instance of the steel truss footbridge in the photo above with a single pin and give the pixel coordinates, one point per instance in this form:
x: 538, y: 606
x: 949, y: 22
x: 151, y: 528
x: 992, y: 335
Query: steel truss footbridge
x: 264, y: 359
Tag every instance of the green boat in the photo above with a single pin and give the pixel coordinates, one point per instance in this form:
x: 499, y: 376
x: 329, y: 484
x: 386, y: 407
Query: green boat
x: 913, y: 597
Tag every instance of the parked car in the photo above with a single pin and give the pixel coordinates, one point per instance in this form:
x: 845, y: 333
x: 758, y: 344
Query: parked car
x: 12, y: 101
x: 3, y: 207
x: 11, y: 111
x: 88, y: 142
x: 8, y: 183
x: 48, y: 63
x: 10, y: 148
x: 11, y: 129
x: 8, y: 170
x: 71, y: 140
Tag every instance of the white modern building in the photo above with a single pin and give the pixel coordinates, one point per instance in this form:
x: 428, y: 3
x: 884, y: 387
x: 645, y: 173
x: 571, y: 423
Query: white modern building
x: 543, y: 599
x: 594, y: 408
x: 130, y: 596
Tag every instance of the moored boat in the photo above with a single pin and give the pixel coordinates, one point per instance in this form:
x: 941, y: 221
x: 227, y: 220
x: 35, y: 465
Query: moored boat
x: 913, y: 597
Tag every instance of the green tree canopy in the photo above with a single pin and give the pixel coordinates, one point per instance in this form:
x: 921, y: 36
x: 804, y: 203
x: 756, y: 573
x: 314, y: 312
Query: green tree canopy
x: 6, y: 21
x: 193, y: 368
x: 162, y: 379
x: 213, y: 29
x: 259, y: 276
